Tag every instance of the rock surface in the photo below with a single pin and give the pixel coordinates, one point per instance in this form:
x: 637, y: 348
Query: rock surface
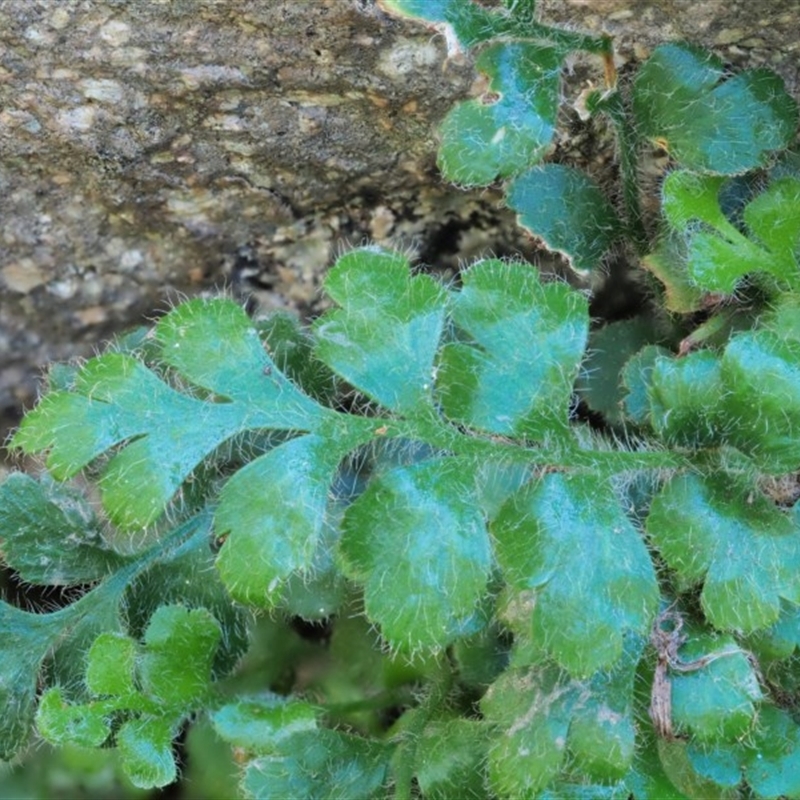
x: 155, y: 148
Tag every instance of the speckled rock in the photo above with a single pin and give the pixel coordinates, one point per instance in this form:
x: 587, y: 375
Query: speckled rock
x: 149, y: 149
x: 162, y: 147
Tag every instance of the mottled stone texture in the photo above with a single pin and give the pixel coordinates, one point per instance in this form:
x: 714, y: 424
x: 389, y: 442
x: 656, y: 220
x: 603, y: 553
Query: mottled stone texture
x: 154, y: 147
x: 167, y: 146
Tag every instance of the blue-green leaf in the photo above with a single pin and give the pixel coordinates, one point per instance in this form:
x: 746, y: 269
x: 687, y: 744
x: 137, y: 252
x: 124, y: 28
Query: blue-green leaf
x: 684, y: 395
x: 503, y: 132
x: 781, y: 639
x: 50, y: 534
x: 175, y: 669
x: 67, y: 635
x: 428, y: 10
x: 546, y: 719
x: 215, y: 345
x: 529, y: 338
x: 566, y: 540
x: 116, y: 399
x: 61, y: 723
x: 771, y: 764
x: 718, y: 253
x: 719, y: 783
x: 564, y: 208
x: 273, y: 511
x: 318, y: 765
x: 610, y: 348
x: 717, y: 701
x: 733, y: 539
x: 419, y: 546
x: 146, y: 749
x: 761, y: 376
x: 636, y: 379
x: 452, y: 754
x: 768, y: 758
x: 26, y: 639
x: 684, y: 99
x: 110, y: 665
x: 261, y: 723
x: 384, y: 338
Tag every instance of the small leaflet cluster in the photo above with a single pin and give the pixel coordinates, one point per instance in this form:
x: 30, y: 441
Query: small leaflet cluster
x: 522, y: 604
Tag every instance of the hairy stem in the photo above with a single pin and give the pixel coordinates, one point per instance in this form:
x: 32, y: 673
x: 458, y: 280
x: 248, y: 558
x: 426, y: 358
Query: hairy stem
x: 613, y: 105
x: 562, y: 455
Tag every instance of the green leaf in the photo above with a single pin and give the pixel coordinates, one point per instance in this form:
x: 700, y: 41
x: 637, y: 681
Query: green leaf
x: 260, y: 724
x: 772, y: 763
x: 688, y: 196
x: 674, y: 756
x: 512, y: 127
x: 291, y: 347
x: 565, y: 209
x: 780, y: 640
x: 647, y: 778
x: 483, y: 656
x: 319, y: 592
x: 186, y: 575
x: 769, y: 758
x: 668, y: 263
x: 610, y: 347
x: 684, y: 396
x: 180, y: 644
x: 384, y: 338
x: 733, y: 539
x: 566, y: 540
x: 774, y: 217
x: 545, y: 719
x: 115, y: 398
x: 61, y: 723
x: 420, y: 547
x: 716, y: 701
x: 274, y: 511
x: 719, y: 255
x: 529, y: 338
x: 602, y: 734
x: 683, y: 99
x: 50, y: 534
x: 65, y: 636
x: 761, y: 376
x: 318, y: 765
x: 28, y: 638
x: 146, y: 749
x: 174, y: 672
x: 111, y: 663
x: 452, y: 754
x: 636, y: 378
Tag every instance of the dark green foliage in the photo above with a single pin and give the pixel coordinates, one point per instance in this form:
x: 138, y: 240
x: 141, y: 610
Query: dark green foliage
x: 502, y: 550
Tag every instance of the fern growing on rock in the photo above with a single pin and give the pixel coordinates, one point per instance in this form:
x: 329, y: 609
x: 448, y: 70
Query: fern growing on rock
x: 553, y: 558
